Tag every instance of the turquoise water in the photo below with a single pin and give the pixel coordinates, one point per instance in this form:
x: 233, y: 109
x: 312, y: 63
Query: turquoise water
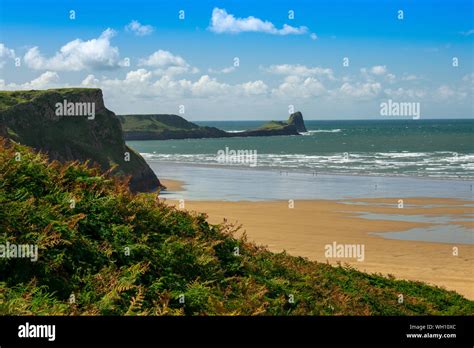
x: 421, y: 148
x: 453, y: 234
x: 334, y: 160
x: 204, y: 182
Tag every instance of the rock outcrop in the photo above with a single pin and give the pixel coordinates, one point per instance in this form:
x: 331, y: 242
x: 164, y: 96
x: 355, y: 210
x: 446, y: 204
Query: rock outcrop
x: 296, y: 119
x: 30, y: 118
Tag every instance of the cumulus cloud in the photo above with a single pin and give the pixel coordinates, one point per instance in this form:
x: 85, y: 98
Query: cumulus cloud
x: 391, y: 78
x: 378, y: 70
x: 5, y: 54
x: 139, y: 29
x: 78, y: 55
x: 446, y: 92
x: 300, y: 70
x: 360, y: 90
x: 223, y: 22
x: 166, y: 63
x: 48, y: 79
x: 403, y: 93
x: 410, y: 77
x: 227, y: 70
x: 298, y: 87
x: 253, y: 88
x: 90, y: 81
x: 141, y: 83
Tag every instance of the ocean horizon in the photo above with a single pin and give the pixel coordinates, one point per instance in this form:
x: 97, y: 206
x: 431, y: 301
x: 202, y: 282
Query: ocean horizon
x: 411, y: 148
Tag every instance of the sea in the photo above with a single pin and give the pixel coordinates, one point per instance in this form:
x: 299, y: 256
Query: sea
x: 415, y: 148
x: 336, y: 160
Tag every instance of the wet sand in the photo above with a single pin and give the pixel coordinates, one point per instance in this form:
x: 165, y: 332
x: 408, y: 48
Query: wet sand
x: 172, y: 185
x: 307, y: 228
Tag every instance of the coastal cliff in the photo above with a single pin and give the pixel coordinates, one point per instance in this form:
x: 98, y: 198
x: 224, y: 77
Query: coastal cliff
x: 296, y: 119
x: 31, y: 118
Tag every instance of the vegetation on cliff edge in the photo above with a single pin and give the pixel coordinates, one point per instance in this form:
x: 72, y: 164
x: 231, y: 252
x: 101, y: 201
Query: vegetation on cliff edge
x: 173, y: 254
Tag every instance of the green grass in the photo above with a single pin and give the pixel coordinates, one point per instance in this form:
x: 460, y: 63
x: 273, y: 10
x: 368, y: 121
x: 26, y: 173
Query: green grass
x: 155, y: 123
x: 12, y: 98
x: 25, y: 117
x: 82, y: 251
x: 273, y: 125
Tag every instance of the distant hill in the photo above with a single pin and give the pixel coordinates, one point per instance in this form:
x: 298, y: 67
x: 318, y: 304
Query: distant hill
x: 165, y: 126
x: 30, y: 118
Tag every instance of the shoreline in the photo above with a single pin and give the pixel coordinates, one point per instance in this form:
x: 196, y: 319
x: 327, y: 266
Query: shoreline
x: 302, y: 172
x: 311, y: 225
x: 172, y: 185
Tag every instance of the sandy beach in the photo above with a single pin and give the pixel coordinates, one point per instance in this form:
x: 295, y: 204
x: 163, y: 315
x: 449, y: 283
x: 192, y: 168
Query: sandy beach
x: 172, y: 185
x: 310, y: 225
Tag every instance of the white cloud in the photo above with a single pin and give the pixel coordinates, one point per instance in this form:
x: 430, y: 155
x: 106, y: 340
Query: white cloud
x: 313, y: 36
x: 78, y: 55
x: 5, y: 54
x: 223, y: 22
x: 391, y: 78
x: 468, y: 33
x: 469, y: 78
x: 90, y: 81
x: 166, y: 63
x: 410, y: 77
x: 405, y: 93
x: 378, y: 70
x: 360, y: 90
x: 140, y: 83
x: 209, y: 87
x: 297, y: 87
x: 138, y: 29
x: 253, y: 88
x: 222, y: 71
x: 48, y: 79
x: 300, y: 70
x: 445, y: 92
x: 140, y: 76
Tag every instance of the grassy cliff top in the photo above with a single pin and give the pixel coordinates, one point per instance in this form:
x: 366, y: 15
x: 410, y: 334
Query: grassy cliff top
x: 295, y: 119
x: 155, y: 122
x: 273, y: 125
x: 29, y: 118
x: 125, y: 254
x: 12, y: 98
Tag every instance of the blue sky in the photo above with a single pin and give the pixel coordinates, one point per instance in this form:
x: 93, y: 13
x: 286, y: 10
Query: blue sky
x: 282, y: 61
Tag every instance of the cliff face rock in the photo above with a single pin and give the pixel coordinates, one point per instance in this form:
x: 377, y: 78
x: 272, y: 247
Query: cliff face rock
x: 29, y: 117
x: 296, y: 119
